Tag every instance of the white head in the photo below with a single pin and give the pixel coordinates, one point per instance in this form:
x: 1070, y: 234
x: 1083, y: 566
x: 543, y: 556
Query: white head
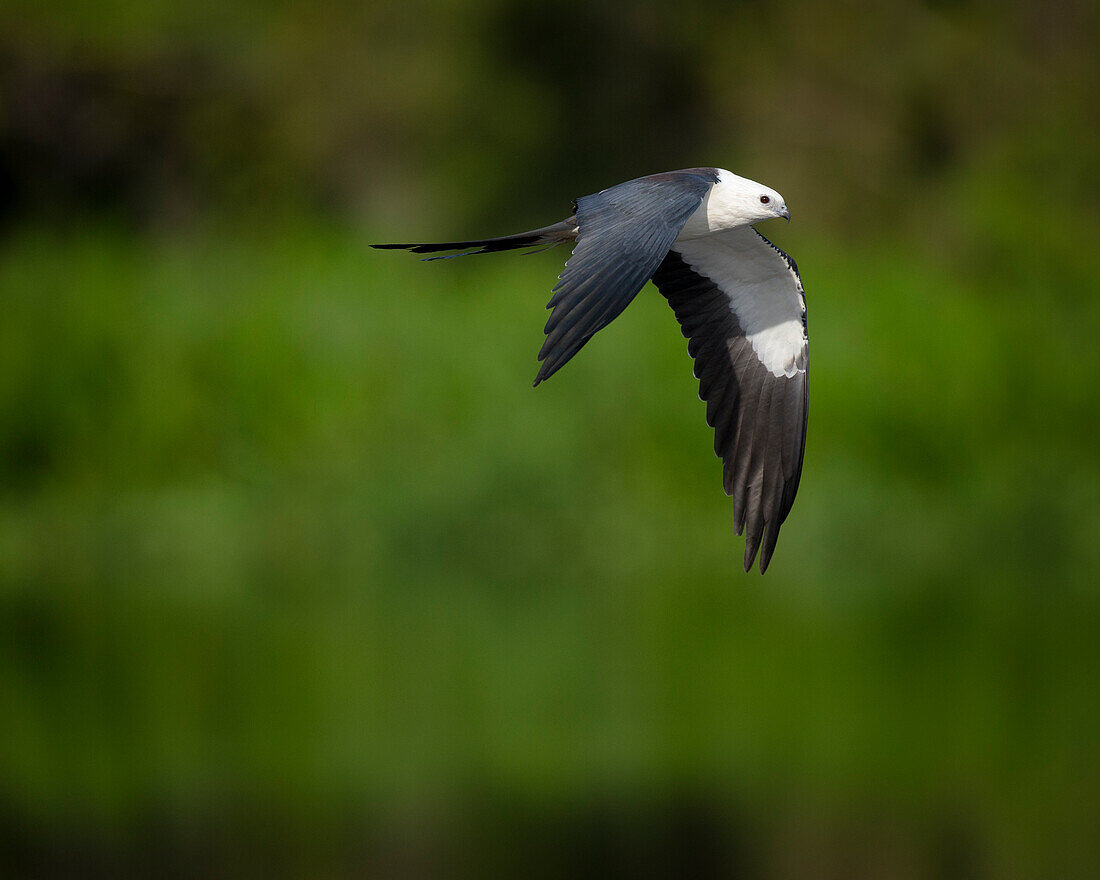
x: 735, y: 201
x: 750, y: 200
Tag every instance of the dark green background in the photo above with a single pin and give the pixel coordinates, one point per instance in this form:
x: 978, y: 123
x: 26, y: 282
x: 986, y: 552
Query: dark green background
x: 298, y: 575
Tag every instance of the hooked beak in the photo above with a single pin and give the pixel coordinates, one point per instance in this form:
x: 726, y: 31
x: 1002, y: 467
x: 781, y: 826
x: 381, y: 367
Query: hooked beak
x: 785, y: 214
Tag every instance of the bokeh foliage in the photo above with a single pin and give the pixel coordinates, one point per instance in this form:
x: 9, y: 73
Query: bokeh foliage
x: 298, y: 576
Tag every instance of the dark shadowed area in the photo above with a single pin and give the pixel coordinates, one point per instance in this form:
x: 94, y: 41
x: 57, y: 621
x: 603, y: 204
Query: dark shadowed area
x: 299, y: 577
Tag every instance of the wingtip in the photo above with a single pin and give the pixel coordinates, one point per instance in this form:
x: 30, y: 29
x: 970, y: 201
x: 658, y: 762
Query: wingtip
x: 771, y: 536
x: 761, y: 563
x: 752, y: 545
x: 547, y: 368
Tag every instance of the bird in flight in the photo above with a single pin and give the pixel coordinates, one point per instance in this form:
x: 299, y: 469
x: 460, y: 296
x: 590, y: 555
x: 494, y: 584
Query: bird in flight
x: 739, y: 301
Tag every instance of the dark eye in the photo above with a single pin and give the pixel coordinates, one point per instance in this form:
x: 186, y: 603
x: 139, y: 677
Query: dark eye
x: 764, y: 200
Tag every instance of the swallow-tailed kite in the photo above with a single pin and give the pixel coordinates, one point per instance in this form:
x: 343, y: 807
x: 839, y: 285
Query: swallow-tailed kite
x: 739, y: 301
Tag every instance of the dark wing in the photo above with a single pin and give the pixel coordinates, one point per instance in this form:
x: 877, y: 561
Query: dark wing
x: 740, y: 303
x: 623, y: 233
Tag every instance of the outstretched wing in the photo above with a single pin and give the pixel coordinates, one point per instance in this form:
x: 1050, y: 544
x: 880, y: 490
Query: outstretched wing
x: 740, y: 303
x: 623, y: 233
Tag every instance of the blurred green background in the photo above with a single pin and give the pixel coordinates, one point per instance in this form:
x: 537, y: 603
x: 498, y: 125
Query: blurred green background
x: 300, y: 578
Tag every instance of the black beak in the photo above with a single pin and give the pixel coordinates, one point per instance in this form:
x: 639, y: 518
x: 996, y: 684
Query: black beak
x: 785, y: 214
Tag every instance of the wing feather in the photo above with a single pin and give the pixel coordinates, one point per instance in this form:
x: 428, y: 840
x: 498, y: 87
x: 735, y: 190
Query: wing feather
x: 623, y: 233
x: 739, y: 302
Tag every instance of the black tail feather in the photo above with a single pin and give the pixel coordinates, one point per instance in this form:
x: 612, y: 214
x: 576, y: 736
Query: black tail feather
x: 548, y: 236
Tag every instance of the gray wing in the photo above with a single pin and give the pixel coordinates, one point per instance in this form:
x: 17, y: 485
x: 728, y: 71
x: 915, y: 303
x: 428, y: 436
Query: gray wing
x: 740, y: 303
x: 623, y: 233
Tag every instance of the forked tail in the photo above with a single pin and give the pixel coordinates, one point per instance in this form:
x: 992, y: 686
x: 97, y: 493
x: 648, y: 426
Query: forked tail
x: 548, y: 236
